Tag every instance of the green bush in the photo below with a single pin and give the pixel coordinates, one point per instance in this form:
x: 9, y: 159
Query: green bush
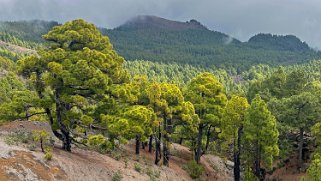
x: 32, y: 147
x: 195, y: 170
x: 48, y: 153
x: 116, y: 154
x: 249, y: 176
x: 138, y: 167
x: 153, y: 174
x: 100, y: 143
x: 42, y: 137
x: 117, y: 176
x: 18, y: 137
x: 314, y: 170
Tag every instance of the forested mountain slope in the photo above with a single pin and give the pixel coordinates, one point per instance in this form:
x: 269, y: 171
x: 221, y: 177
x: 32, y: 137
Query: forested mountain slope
x: 25, y: 33
x: 157, y: 39
x: 161, y: 40
x: 265, y: 119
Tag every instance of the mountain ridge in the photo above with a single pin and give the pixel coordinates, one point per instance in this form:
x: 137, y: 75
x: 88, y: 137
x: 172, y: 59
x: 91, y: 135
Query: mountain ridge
x: 149, y: 21
x: 153, y: 38
x: 167, y: 41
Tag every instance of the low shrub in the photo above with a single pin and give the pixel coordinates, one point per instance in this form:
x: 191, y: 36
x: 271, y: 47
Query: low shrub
x: 18, y: 137
x: 153, y: 174
x: 48, y: 153
x: 32, y: 147
x: 117, y: 176
x: 42, y: 137
x: 138, y: 167
x: 100, y: 143
x: 195, y: 170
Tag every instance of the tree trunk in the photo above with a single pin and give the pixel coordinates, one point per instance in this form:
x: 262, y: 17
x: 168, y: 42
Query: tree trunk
x: 157, y: 152
x: 39, y: 89
x: 165, y: 143
x: 150, y: 144
x: 258, y: 162
x: 65, y: 132
x: 237, y: 154
x: 137, y: 144
x: 41, y: 145
x: 301, y: 148
x: 199, y: 143
x: 180, y: 141
x: 51, y: 121
x: 67, y: 140
x: 208, y: 134
x: 143, y: 145
x: 237, y: 167
x: 158, y: 146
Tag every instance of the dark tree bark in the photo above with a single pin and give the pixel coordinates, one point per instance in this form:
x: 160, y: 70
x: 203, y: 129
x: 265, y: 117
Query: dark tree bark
x: 150, y: 144
x: 165, y: 151
x: 67, y: 141
x: 41, y: 145
x: 301, y: 148
x: 143, y: 145
x: 39, y: 88
x: 165, y: 142
x: 258, y: 162
x: 137, y: 144
x: 208, y: 135
x: 181, y: 141
x: 158, y: 146
x: 199, y: 143
x: 65, y: 132
x: 237, y: 154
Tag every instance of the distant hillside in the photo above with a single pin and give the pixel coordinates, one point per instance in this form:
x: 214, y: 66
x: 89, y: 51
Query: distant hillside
x: 27, y: 30
x: 157, y: 39
x: 145, y: 22
x: 16, y: 49
x: 161, y: 40
x: 277, y: 42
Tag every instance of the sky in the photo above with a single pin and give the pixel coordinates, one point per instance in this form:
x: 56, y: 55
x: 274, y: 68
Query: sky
x: 238, y: 18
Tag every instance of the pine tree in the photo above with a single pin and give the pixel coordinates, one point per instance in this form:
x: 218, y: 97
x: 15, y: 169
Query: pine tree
x: 168, y: 103
x: 141, y: 121
x: 261, y: 136
x: 232, y: 128
x: 69, y: 76
x: 207, y: 95
x: 299, y: 112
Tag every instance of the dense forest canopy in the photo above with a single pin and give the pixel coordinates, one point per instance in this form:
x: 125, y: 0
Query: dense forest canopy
x: 165, y: 41
x: 256, y: 103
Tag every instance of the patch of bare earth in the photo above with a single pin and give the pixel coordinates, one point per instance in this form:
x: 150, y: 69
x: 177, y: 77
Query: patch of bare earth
x: 16, y: 48
x: 24, y: 166
x: 289, y: 172
x: 18, y: 163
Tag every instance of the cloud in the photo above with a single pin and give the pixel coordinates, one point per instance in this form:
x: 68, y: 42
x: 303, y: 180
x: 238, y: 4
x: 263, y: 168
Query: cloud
x: 238, y: 18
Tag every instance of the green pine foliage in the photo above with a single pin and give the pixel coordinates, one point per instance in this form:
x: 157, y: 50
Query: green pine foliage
x: 208, y: 96
x: 261, y: 136
x: 90, y: 95
x: 191, y: 44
